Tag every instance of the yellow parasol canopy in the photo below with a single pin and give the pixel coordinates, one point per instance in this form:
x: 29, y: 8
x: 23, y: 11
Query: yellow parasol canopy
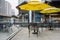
x: 34, y: 5
x: 34, y: 0
x: 50, y: 10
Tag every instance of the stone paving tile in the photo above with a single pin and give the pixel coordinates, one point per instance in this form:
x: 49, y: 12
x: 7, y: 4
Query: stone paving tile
x: 45, y: 35
x: 4, y: 35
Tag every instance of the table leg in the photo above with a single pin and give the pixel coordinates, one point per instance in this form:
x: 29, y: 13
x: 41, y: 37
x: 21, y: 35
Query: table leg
x: 50, y: 28
x: 29, y: 30
x: 37, y: 30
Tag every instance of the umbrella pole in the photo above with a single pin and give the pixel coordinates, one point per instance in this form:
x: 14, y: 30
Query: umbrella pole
x: 50, y: 23
x: 29, y: 20
x: 30, y: 16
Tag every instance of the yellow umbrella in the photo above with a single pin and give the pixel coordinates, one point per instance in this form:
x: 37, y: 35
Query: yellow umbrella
x: 50, y: 10
x: 34, y: 5
x: 34, y: 0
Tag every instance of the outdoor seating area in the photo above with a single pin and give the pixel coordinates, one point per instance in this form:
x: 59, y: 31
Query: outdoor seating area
x: 37, y: 16
x: 36, y: 26
x: 29, y: 20
x: 43, y: 35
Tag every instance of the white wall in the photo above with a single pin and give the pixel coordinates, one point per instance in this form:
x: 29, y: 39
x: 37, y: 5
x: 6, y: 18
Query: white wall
x: 2, y: 5
x: 5, y: 8
x: 8, y: 8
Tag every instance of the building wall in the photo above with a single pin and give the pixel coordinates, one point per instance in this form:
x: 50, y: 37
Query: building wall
x: 2, y: 9
x: 12, y: 12
x: 20, y: 1
x: 55, y: 3
x: 55, y: 0
x: 8, y: 8
x: 5, y: 8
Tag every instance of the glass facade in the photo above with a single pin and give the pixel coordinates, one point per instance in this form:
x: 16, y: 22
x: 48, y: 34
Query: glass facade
x: 37, y: 17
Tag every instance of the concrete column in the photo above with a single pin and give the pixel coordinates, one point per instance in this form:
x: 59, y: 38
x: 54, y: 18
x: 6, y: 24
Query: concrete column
x: 22, y: 18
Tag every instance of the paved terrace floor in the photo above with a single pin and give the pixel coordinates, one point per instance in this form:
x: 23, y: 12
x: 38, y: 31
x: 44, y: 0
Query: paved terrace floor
x: 4, y: 34
x: 45, y: 35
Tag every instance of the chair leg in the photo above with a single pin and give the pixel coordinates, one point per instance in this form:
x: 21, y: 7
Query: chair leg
x: 34, y: 29
x: 29, y: 33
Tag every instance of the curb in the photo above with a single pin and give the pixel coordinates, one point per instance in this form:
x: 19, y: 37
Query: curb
x: 13, y: 34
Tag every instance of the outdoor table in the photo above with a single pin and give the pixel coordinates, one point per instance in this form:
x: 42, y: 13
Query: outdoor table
x: 37, y: 25
x: 51, y: 25
x: 54, y: 25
